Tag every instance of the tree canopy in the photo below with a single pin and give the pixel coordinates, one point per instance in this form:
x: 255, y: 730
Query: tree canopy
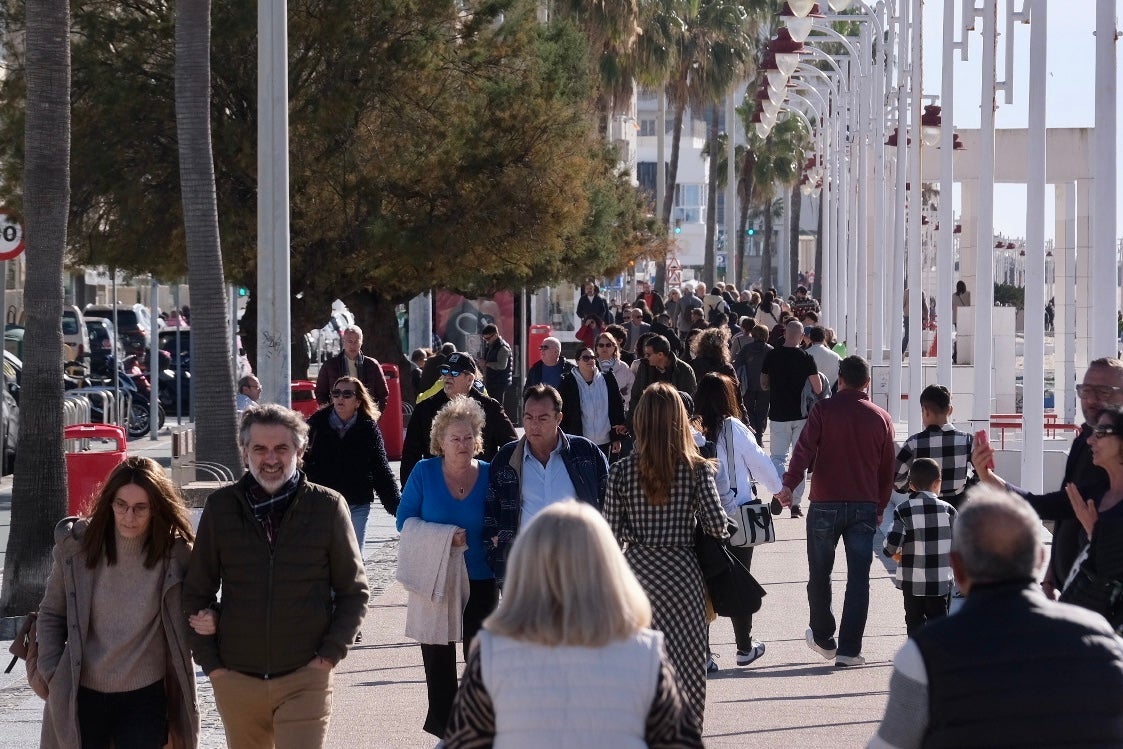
x: 430, y: 146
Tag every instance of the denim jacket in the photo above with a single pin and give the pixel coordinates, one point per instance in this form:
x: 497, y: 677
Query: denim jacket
x: 587, y: 468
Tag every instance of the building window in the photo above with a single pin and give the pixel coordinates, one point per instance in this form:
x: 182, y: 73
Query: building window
x: 646, y: 176
x: 647, y: 127
x: 690, y: 203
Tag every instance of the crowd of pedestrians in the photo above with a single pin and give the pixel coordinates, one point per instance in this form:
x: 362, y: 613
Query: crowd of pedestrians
x: 571, y: 550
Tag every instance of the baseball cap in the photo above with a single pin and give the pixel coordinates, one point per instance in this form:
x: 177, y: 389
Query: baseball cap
x: 461, y: 362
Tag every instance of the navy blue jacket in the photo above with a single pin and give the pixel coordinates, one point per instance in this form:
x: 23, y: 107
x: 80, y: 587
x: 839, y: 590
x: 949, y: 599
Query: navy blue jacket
x: 587, y: 468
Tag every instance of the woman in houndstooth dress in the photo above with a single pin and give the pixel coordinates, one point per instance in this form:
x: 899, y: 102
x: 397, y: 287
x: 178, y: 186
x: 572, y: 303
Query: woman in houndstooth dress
x: 656, y: 497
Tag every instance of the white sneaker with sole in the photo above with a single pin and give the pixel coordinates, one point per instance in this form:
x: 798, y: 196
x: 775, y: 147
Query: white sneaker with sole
x: 828, y: 653
x: 745, y: 657
x: 849, y: 660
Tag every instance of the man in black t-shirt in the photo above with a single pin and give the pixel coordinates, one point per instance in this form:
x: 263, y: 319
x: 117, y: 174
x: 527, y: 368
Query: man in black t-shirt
x: 785, y: 371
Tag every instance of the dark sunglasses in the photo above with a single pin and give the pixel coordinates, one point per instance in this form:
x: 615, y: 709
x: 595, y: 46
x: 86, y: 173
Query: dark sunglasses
x: 588, y: 357
x: 344, y: 394
x: 446, y: 372
x: 1099, y: 432
x: 604, y: 344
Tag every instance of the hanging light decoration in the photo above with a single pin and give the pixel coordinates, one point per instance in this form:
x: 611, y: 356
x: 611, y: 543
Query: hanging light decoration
x: 800, y: 27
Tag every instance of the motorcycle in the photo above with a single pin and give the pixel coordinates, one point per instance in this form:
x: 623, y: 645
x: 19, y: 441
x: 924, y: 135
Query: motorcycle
x: 137, y: 420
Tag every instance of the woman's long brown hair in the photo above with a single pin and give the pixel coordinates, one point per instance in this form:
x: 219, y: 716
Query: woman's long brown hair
x: 166, y: 509
x: 663, y: 441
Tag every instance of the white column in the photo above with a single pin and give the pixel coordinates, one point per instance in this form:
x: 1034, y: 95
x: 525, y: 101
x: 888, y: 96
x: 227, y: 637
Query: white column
x: 1087, y: 308
x: 983, y: 296
x: 1104, y: 337
x: 915, y: 214
x: 274, y: 329
x: 945, y: 237
x: 1033, y: 376
x: 1064, y: 322
x: 731, y: 269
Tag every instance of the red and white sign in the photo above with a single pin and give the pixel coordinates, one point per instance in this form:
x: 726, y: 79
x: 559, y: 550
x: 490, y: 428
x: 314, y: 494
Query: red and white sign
x: 11, y: 237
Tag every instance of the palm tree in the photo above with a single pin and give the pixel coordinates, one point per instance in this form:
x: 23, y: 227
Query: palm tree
x: 39, y: 488
x: 711, y: 45
x: 214, y: 392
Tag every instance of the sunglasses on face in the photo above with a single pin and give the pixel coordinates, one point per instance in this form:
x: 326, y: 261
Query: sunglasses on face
x: 604, y: 344
x: 344, y: 394
x: 588, y: 357
x: 1101, y: 431
x: 447, y: 372
x: 1103, y: 391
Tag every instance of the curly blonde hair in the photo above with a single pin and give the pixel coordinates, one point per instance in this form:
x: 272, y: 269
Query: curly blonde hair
x: 460, y: 409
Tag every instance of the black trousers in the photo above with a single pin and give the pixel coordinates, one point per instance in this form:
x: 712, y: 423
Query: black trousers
x: 137, y: 719
x: 919, y: 610
x: 756, y: 403
x: 743, y: 625
x: 440, y: 660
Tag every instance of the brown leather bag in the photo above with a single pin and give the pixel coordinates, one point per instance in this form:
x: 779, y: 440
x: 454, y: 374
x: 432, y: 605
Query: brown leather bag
x: 26, y: 647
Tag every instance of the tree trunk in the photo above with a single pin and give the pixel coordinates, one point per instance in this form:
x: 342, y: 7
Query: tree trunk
x: 39, y: 487
x: 817, y: 286
x: 793, y: 233
x: 213, y: 374
x: 766, y: 253
x: 672, y: 165
x: 709, y: 268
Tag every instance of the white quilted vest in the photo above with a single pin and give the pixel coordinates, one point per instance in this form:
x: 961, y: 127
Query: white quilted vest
x: 570, y: 697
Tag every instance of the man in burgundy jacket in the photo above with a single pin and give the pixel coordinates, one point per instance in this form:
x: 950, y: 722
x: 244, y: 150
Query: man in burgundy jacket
x: 850, y: 441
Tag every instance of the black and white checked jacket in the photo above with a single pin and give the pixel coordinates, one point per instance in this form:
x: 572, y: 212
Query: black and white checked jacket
x: 949, y: 447
x: 922, y: 533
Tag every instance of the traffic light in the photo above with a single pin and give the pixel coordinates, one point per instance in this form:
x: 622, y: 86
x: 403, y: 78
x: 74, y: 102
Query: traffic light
x: 678, y: 226
x: 242, y: 291
x: 750, y: 231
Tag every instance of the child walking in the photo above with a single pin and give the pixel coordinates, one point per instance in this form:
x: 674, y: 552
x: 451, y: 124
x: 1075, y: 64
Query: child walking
x: 920, y: 541
x: 943, y: 443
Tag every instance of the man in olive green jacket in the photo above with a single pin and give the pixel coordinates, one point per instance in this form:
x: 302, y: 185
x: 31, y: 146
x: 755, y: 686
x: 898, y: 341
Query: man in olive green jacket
x: 294, y: 591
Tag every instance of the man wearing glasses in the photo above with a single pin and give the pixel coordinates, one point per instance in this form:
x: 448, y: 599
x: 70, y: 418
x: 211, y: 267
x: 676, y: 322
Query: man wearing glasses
x: 550, y: 367
x: 498, y: 362
x: 459, y: 377
x: 1102, y: 386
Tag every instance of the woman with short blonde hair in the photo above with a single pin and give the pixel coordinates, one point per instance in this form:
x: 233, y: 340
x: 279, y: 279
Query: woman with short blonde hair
x: 460, y: 409
x: 571, y: 607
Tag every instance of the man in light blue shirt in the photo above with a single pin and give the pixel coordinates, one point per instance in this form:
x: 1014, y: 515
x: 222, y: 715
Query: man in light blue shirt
x: 543, y: 467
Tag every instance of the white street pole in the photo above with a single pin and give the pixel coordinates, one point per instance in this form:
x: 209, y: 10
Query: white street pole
x: 897, y: 289
x: 1033, y: 376
x: 984, y: 268
x: 917, y: 291
x: 273, y: 320
x: 864, y: 92
x: 1103, y: 336
x: 945, y: 254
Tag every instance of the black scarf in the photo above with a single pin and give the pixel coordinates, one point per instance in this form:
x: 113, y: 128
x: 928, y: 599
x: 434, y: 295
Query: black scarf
x: 268, y: 508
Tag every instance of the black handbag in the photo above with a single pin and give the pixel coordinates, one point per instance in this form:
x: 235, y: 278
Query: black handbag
x: 732, y: 589
x: 1096, y: 592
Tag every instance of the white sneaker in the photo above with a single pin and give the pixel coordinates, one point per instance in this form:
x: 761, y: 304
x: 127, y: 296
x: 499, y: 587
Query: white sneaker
x: 745, y: 657
x: 828, y: 653
x: 711, y: 665
x: 849, y: 660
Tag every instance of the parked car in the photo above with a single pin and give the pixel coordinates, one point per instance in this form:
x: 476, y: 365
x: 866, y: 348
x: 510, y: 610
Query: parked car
x: 75, y: 336
x: 13, y: 373
x: 134, y: 329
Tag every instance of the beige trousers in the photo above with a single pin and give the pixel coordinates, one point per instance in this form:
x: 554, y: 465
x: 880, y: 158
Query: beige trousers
x: 289, y: 712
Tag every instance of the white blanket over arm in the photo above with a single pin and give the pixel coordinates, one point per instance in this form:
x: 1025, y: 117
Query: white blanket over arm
x: 435, y: 574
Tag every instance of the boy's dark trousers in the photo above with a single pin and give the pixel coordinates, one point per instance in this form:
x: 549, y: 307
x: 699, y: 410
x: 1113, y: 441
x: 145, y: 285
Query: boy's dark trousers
x: 922, y: 609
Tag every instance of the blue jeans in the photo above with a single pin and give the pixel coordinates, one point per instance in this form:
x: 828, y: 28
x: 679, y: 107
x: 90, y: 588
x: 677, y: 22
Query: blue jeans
x: 784, y: 435
x: 359, y: 515
x: 855, y: 523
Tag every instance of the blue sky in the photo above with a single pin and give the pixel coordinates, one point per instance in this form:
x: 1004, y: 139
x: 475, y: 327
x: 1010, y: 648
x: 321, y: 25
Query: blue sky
x: 1070, y: 89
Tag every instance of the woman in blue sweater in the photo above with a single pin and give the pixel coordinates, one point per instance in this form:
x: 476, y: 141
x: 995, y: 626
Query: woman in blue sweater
x: 450, y: 489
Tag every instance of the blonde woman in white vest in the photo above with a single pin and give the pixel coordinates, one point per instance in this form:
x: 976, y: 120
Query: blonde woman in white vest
x: 568, y: 658
x: 112, y: 633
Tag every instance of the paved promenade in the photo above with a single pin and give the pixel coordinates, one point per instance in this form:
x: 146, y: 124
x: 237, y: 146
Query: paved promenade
x: 790, y: 697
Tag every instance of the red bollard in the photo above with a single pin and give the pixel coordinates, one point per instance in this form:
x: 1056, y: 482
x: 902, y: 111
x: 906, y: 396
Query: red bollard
x: 393, y: 432
x: 87, y: 469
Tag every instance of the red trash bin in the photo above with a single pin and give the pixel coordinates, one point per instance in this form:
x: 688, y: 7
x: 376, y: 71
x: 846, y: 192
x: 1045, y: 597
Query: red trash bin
x: 393, y: 432
x: 534, y: 338
x: 304, y: 397
x: 86, y: 469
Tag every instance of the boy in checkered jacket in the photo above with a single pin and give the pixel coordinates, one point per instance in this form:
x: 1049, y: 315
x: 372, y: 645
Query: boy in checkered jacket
x: 920, y: 541
x: 943, y: 443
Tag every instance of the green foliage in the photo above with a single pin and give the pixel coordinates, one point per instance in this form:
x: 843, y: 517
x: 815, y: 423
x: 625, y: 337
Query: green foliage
x: 429, y: 147
x: 1006, y: 295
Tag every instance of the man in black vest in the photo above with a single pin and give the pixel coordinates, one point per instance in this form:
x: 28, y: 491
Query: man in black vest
x: 1102, y: 386
x: 1011, y: 668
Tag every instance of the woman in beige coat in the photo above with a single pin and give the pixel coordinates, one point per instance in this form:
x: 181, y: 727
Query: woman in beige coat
x: 112, y: 634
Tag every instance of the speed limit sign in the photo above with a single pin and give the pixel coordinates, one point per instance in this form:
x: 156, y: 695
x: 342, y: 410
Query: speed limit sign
x: 11, y: 237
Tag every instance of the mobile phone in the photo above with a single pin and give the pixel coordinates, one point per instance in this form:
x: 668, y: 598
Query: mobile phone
x: 984, y: 440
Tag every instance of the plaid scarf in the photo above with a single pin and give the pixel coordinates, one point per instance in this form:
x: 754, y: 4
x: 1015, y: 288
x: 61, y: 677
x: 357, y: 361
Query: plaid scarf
x: 270, y: 508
